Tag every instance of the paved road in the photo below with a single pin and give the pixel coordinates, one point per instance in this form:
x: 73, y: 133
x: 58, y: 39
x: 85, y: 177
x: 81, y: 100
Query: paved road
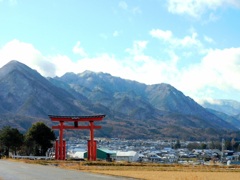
x: 22, y: 171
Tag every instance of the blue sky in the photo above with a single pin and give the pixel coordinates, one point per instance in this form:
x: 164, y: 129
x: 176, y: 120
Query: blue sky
x: 193, y: 45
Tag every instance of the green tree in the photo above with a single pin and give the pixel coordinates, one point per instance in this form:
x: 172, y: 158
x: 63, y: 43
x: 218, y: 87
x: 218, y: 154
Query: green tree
x: 177, y: 145
x: 238, y: 149
x: 203, y: 146
x: 234, y: 144
x: 228, y: 145
x: 193, y: 145
x: 215, y: 145
x: 10, y: 140
x: 38, y: 139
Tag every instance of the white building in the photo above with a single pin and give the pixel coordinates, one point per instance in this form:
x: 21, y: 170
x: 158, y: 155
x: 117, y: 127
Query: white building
x: 76, y: 154
x: 130, y: 156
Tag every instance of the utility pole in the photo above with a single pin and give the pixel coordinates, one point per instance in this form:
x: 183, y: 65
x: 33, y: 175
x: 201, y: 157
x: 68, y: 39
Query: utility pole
x: 223, y: 148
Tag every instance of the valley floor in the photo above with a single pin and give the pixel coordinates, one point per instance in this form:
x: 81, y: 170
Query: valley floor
x: 150, y: 171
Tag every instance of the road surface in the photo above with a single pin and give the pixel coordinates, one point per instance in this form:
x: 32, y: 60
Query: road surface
x: 10, y: 170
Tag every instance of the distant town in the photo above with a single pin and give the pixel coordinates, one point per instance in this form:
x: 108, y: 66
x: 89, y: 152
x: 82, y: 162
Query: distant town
x: 161, y: 151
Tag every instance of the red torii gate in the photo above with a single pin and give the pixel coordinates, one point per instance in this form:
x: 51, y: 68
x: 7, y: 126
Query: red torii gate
x: 60, y: 146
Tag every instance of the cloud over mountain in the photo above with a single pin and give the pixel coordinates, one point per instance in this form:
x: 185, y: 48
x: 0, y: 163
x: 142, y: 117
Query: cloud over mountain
x: 217, y: 69
x: 151, y: 110
x: 196, y: 8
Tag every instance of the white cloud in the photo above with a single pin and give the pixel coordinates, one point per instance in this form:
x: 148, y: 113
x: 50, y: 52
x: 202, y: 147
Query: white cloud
x: 208, y: 39
x: 57, y: 65
x: 133, y: 10
x: 218, y: 69
x: 103, y: 36
x: 136, y: 10
x: 115, y: 34
x: 212, y: 17
x: 147, y: 69
x: 187, y: 41
x: 123, y: 5
x: 77, y: 49
x: 161, y: 34
x: 136, y: 66
x: 196, y: 8
x: 11, y: 2
x: 62, y: 64
x: 138, y: 47
x: 27, y: 54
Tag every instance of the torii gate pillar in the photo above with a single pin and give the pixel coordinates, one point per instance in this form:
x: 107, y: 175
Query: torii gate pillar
x: 60, y: 146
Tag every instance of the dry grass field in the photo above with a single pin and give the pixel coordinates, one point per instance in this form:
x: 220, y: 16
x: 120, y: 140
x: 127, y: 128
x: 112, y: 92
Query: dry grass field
x: 151, y: 171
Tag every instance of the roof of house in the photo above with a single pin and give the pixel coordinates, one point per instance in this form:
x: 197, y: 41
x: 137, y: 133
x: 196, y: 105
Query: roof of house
x: 107, y: 151
x: 126, y: 153
x: 79, y: 154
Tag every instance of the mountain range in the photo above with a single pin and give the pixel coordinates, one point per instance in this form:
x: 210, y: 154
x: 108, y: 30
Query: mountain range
x: 229, y: 110
x: 132, y: 109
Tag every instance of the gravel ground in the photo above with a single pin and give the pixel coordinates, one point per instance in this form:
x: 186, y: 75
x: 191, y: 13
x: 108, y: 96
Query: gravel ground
x: 10, y: 170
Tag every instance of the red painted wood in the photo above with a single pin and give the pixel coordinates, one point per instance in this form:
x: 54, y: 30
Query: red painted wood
x: 61, y: 140
x: 77, y: 118
x: 56, y: 150
x: 79, y: 127
x: 64, y: 150
x: 60, y: 151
